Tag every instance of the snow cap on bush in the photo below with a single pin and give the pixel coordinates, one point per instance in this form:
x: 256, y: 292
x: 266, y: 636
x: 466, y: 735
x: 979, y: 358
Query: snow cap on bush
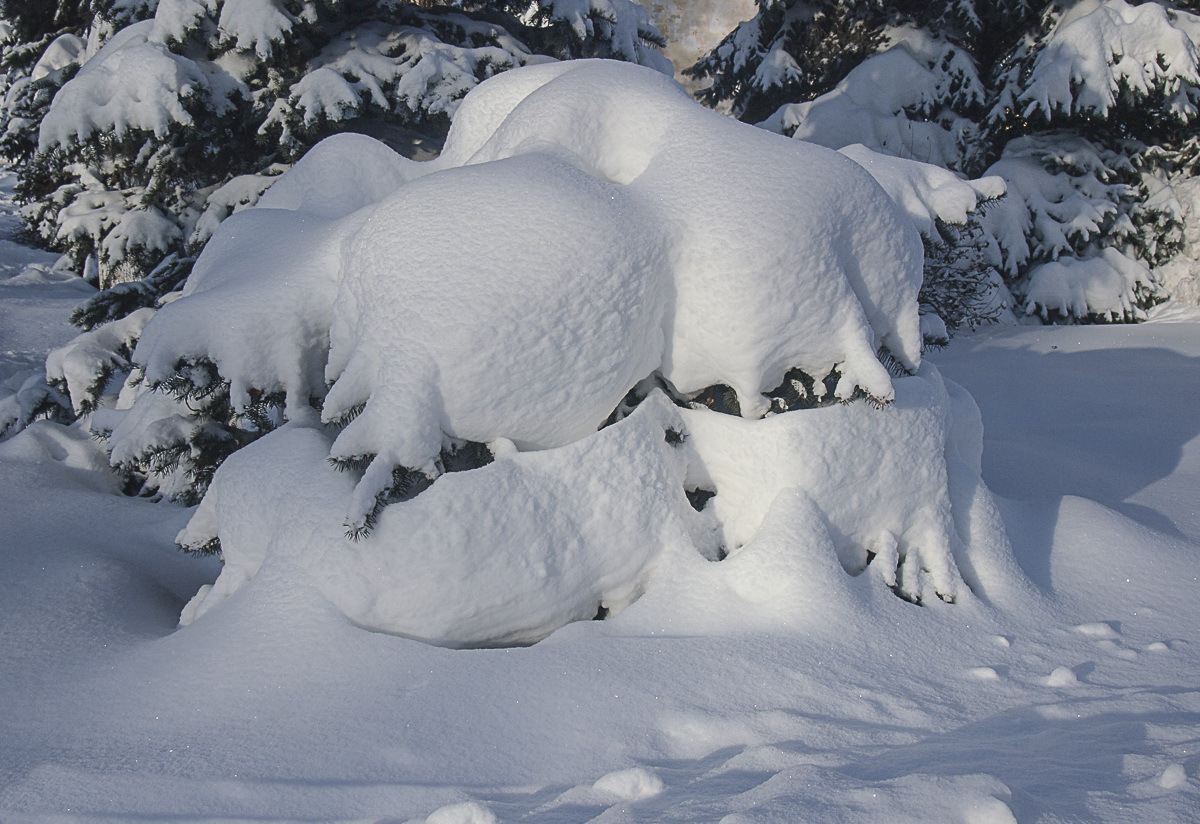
x: 624, y: 239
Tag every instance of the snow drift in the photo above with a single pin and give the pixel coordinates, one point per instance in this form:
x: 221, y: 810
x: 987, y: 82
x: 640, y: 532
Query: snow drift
x: 632, y: 258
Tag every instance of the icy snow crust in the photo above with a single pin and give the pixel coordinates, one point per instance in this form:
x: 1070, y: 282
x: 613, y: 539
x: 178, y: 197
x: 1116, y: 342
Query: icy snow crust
x: 622, y: 233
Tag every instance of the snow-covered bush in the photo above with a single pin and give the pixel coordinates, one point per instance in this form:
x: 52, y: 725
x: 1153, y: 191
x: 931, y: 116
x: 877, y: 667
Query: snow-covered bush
x: 1086, y: 108
x: 487, y: 435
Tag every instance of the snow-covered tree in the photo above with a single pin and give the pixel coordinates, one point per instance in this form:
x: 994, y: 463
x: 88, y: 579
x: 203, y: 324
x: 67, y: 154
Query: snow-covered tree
x: 485, y: 435
x: 143, y: 124
x: 1085, y: 107
x: 1096, y: 114
x: 138, y: 126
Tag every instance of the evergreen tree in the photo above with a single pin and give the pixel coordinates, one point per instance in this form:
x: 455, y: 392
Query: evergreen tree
x: 136, y: 114
x: 137, y: 126
x: 1085, y: 107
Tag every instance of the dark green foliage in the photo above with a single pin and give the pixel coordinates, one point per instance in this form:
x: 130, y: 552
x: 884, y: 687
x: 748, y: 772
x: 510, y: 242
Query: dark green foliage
x: 123, y: 298
x: 1146, y: 137
x: 809, y: 45
x: 699, y: 498
x: 960, y: 282
x: 406, y: 484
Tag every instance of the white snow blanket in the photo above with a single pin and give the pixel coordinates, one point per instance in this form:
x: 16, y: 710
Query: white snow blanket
x: 616, y: 231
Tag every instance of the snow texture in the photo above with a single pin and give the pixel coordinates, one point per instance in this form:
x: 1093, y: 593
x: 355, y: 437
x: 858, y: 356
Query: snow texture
x: 132, y: 84
x: 1106, y: 52
x: 899, y: 102
x: 1103, y: 285
x: 625, y: 232
x: 766, y: 689
x: 927, y: 193
x: 1063, y: 202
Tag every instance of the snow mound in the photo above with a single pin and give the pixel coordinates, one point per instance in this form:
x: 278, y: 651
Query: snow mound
x: 630, y: 785
x: 499, y: 555
x: 729, y: 198
x: 927, y: 193
x: 631, y: 254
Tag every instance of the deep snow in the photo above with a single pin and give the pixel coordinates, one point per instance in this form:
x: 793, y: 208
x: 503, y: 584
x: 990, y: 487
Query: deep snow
x: 1075, y: 697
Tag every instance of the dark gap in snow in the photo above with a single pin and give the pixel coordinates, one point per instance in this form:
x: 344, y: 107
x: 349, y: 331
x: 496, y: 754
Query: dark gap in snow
x: 210, y: 547
x: 674, y: 437
x: 463, y: 456
x: 699, y: 498
x: 635, y: 396
x: 798, y: 390
x: 718, y: 398
x: 601, y: 613
x: 457, y: 456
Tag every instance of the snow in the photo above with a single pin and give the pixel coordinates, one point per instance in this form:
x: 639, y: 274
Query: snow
x: 655, y: 143
x: 893, y: 102
x: 766, y: 687
x: 927, y: 193
x: 641, y: 270
x: 1103, y: 285
x: 577, y: 532
x: 133, y: 83
x: 1102, y: 49
x: 1062, y: 195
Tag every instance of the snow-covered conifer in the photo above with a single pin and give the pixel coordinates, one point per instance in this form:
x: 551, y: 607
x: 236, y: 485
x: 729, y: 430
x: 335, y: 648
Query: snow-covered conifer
x: 477, y: 437
x: 131, y: 122
x: 1086, y: 108
x: 138, y: 126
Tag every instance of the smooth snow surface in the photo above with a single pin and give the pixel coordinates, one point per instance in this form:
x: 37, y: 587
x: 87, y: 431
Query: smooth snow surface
x: 723, y: 697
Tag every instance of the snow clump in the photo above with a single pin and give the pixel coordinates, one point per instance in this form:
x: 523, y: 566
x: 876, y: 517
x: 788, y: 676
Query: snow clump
x: 632, y: 259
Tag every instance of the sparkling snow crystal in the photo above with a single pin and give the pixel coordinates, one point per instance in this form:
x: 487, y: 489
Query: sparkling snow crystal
x: 592, y: 251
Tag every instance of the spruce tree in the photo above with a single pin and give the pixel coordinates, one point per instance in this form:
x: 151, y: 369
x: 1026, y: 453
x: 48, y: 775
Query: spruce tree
x: 137, y: 126
x: 1086, y: 108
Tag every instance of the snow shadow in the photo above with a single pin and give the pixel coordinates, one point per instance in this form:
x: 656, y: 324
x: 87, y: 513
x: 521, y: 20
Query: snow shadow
x: 1053, y: 765
x: 1038, y: 447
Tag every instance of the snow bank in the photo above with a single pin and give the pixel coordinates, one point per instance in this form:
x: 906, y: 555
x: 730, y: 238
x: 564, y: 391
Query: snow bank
x: 619, y: 233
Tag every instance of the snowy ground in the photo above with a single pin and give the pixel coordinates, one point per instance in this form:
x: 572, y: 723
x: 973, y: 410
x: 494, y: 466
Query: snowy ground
x: 1074, y: 698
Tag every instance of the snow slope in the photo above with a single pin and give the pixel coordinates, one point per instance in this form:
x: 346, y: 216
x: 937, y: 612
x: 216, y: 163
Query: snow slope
x: 1075, y: 697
